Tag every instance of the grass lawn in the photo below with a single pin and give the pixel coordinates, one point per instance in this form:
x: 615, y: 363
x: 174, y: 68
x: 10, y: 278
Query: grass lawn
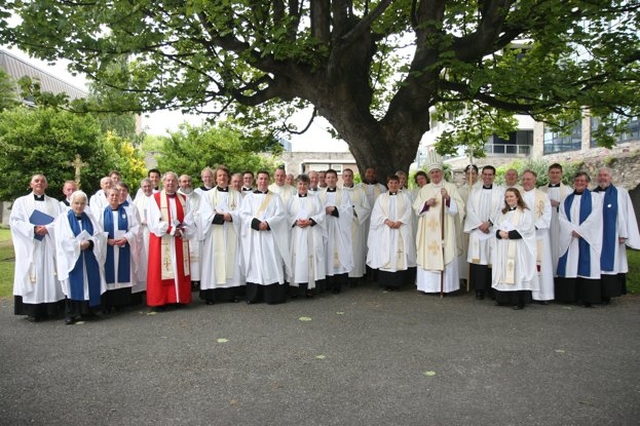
x: 633, y: 277
x: 6, y: 263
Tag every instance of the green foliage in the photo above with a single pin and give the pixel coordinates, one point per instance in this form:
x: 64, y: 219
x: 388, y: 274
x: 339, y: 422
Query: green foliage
x: 31, y: 89
x: 46, y: 140
x: 373, y: 69
x: 471, y: 127
x: 125, y: 158
x: 633, y: 278
x: 540, y: 167
x: 152, y: 143
x: 7, y: 264
x: 192, y: 148
x: 8, y: 97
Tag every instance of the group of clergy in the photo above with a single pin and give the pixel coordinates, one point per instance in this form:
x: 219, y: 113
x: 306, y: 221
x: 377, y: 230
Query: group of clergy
x: 233, y: 241
x: 542, y: 244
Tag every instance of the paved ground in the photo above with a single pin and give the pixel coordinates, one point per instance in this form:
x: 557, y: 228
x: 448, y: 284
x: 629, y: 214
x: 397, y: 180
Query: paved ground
x: 365, y: 357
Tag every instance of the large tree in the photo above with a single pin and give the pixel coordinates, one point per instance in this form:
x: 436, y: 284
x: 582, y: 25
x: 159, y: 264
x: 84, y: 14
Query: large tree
x: 373, y: 69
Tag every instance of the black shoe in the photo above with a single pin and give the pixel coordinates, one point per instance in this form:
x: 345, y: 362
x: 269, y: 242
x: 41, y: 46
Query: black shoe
x: 69, y: 321
x: 518, y: 307
x: 235, y: 300
x: 309, y: 294
x: 543, y: 302
x: 90, y: 316
x: 32, y: 318
x: 479, y: 295
x: 336, y: 291
x: 208, y: 302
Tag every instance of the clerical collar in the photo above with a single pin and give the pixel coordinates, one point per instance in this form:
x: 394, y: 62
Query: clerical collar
x: 487, y: 186
x: 600, y: 189
x: 245, y: 189
x: 578, y: 193
x: 313, y: 189
x: 554, y: 185
x: 79, y: 217
x: 393, y: 193
x: 221, y: 189
x: 204, y: 188
x: 512, y: 208
x: 349, y: 187
x: 331, y: 190
x: 302, y: 196
x: 257, y: 191
x: 38, y: 197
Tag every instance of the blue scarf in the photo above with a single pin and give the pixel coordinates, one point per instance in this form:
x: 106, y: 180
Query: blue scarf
x: 124, y: 260
x: 610, y: 228
x: 584, y: 255
x: 87, y: 259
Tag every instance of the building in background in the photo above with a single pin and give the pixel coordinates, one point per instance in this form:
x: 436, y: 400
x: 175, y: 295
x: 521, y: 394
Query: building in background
x: 18, y: 68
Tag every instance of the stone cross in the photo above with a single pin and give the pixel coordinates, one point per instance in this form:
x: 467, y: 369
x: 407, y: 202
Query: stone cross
x: 78, y: 164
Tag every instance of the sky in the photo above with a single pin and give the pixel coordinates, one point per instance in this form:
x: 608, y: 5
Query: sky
x: 316, y: 139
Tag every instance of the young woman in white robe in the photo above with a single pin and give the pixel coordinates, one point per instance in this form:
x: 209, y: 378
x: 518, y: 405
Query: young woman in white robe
x: 514, y: 257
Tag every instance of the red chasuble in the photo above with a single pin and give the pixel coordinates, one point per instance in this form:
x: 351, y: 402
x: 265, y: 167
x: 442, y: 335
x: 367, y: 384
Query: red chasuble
x: 167, y: 254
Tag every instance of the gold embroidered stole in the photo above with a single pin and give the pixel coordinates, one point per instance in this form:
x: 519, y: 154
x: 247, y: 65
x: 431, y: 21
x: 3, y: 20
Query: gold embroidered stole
x: 399, y: 258
x: 223, y: 248
x: 510, y: 273
x: 334, y: 238
x: 430, y: 241
x: 538, y: 211
x: 263, y: 205
x: 166, y: 261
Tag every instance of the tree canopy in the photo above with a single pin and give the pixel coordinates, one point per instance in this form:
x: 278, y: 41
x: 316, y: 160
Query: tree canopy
x: 191, y: 149
x: 46, y: 140
x: 373, y: 69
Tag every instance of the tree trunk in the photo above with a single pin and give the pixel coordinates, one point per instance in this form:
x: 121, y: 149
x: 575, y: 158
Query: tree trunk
x: 388, y: 148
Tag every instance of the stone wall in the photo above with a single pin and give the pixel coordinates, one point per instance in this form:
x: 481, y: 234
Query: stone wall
x: 623, y: 160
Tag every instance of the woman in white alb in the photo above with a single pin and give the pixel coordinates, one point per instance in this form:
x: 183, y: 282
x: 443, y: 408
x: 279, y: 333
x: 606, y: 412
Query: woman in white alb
x: 514, y: 257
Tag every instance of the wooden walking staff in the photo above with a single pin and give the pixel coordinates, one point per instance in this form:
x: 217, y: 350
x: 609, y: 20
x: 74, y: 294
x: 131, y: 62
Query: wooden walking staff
x: 470, y: 183
x: 444, y: 204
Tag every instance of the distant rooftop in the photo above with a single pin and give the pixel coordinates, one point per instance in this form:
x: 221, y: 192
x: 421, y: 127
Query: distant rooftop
x: 18, y: 68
